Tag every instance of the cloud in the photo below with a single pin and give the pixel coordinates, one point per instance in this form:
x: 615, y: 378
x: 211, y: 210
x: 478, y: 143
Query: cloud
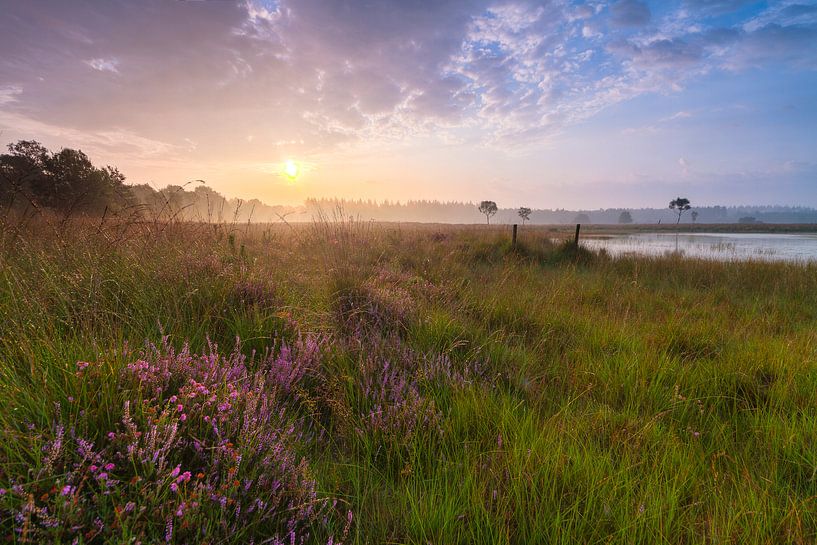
x: 630, y: 13
x: 323, y: 74
x: 684, y: 164
x: 10, y: 93
x: 104, y: 65
x: 716, y: 7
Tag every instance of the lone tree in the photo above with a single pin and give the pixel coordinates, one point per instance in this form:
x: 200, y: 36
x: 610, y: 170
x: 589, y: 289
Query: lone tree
x: 524, y: 213
x: 694, y: 216
x: 679, y: 205
x: 489, y: 209
x: 625, y: 217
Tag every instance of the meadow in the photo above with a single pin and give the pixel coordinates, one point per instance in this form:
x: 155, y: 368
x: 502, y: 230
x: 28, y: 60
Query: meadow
x: 344, y: 382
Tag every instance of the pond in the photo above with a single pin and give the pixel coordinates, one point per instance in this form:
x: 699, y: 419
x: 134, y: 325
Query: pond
x: 719, y: 246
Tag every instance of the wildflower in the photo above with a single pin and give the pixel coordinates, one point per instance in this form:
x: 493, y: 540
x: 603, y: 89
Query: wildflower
x: 183, y: 417
x: 2, y: 491
x: 130, y: 506
x: 109, y: 467
x: 175, y: 472
x: 179, y: 407
x: 111, y: 435
x: 66, y: 490
x: 174, y: 487
x: 82, y: 365
x: 92, y: 468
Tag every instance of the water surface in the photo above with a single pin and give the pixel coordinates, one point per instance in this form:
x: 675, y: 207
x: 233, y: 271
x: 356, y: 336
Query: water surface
x: 719, y: 246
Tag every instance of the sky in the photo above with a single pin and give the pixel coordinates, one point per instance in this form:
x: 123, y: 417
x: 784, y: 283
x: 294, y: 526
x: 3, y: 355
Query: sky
x: 540, y: 103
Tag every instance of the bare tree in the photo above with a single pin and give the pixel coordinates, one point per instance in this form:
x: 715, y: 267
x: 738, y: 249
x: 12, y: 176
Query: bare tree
x: 488, y: 208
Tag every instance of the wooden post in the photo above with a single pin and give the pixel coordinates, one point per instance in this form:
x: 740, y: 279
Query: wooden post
x: 513, y: 241
x: 576, y: 240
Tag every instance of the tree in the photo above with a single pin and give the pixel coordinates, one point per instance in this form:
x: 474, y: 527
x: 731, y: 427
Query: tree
x: 694, y: 216
x: 524, y: 213
x: 625, y: 217
x: 582, y: 218
x: 679, y: 205
x: 489, y: 209
x: 66, y: 180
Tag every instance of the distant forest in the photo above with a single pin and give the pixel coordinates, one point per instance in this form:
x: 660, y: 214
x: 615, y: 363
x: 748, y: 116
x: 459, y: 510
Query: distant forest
x: 66, y: 182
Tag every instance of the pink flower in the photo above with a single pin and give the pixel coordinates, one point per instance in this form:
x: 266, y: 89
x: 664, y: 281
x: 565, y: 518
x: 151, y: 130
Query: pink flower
x: 109, y: 466
x: 175, y: 472
x: 183, y: 417
x: 174, y: 487
x: 93, y: 467
x: 66, y: 490
x: 82, y: 365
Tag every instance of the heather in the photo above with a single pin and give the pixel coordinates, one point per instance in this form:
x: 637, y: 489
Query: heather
x: 345, y: 382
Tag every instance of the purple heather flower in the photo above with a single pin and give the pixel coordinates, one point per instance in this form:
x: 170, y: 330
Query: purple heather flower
x: 82, y: 364
x: 109, y: 466
x: 175, y: 472
x: 174, y: 487
x: 66, y: 490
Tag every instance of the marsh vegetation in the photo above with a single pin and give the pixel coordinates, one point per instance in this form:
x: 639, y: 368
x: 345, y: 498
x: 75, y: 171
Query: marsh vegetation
x: 347, y: 382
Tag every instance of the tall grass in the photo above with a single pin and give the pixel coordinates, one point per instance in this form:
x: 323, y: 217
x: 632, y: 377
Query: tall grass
x: 377, y: 384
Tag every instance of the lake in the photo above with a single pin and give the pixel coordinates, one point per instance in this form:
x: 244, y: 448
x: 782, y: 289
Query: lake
x: 719, y: 246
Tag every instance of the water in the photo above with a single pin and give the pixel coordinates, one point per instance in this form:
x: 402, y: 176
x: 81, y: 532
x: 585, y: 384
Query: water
x: 718, y: 246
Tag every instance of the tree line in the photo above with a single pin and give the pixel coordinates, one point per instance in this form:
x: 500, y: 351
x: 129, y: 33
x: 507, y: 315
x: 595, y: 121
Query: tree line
x: 67, y: 182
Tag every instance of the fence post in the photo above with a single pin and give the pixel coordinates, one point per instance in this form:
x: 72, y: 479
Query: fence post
x: 513, y: 241
x: 576, y: 240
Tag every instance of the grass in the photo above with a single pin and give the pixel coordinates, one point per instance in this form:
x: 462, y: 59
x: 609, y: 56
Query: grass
x: 408, y: 385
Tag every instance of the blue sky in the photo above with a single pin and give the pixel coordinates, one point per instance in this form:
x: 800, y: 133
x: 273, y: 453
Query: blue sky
x: 541, y: 103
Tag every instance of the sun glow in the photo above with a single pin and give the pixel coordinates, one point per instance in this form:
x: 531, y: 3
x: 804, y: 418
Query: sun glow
x: 291, y: 169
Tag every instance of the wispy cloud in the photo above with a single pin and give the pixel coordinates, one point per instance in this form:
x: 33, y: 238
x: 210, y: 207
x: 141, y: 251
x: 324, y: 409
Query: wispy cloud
x: 104, y: 65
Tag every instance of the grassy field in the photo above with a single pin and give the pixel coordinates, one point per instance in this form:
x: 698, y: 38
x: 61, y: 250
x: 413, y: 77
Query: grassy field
x: 346, y: 382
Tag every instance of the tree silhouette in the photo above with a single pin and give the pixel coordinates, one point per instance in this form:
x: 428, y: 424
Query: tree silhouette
x: 65, y: 180
x: 679, y: 205
x: 488, y: 208
x: 625, y: 217
x: 524, y: 213
x: 694, y: 216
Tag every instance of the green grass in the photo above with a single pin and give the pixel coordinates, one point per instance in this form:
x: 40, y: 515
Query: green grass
x: 604, y: 400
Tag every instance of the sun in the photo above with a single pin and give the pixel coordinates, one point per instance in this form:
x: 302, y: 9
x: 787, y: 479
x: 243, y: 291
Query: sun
x: 291, y: 169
